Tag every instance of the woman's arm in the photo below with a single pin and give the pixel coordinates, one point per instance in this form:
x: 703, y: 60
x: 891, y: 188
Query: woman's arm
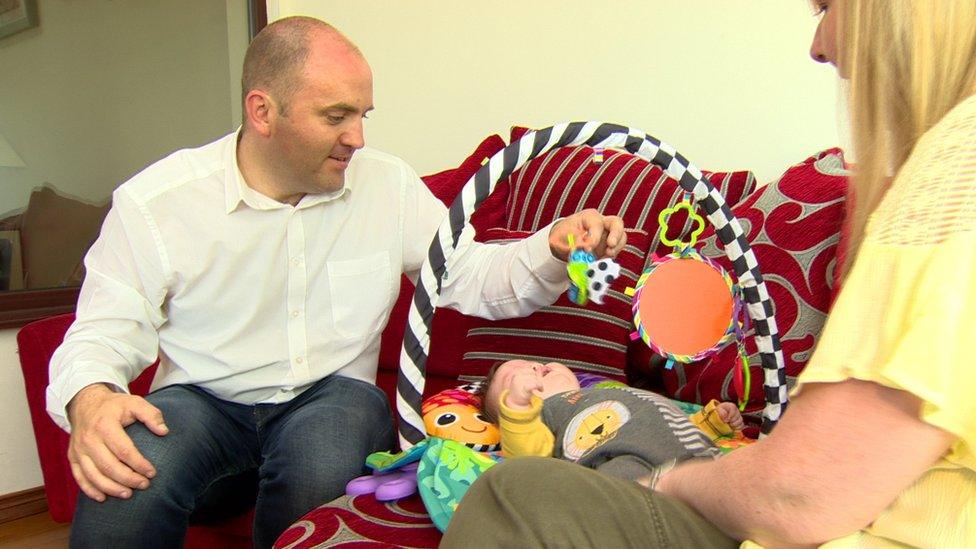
x: 839, y: 456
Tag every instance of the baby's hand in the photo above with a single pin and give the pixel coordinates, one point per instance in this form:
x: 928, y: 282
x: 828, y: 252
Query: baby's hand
x: 729, y: 413
x: 520, y: 389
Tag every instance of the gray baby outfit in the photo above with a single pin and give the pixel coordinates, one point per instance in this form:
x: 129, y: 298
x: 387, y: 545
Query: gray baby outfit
x: 624, y: 432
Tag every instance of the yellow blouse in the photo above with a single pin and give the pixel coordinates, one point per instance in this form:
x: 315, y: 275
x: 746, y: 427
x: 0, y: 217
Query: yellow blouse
x: 906, y: 319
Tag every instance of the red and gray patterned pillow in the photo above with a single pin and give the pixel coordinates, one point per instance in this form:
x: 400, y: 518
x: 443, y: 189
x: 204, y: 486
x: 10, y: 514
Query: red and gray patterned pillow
x: 592, y: 338
x: 794, y: 227
x: 569, y: 179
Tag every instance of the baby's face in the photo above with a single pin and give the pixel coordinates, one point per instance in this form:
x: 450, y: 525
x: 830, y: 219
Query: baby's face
x: 554, y: 378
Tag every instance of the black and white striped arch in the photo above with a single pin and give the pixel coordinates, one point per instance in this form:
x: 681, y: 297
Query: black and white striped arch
x: 416, y: 341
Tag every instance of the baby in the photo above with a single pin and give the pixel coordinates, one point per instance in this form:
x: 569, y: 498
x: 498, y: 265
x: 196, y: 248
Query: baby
x: 628, y: 433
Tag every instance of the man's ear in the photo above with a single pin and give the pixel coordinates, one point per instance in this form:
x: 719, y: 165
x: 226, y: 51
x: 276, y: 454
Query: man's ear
x: 260, y: 112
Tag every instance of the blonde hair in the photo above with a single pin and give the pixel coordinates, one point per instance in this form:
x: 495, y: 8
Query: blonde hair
x: 910, y: 62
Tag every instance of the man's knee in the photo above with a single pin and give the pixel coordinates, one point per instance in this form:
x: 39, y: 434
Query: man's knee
x: 339, y: 425
x: 187, y: 460
x: 190, y: 423
x: 314, y: 471
x: 169, y: 487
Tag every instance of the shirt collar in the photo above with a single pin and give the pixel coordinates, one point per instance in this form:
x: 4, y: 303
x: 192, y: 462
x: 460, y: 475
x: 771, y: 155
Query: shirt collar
x: 236, y: 190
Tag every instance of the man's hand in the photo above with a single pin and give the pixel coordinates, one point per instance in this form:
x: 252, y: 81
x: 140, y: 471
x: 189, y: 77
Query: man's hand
x: 603, y: 235
x: 103, y: 459
x: 521, y: 389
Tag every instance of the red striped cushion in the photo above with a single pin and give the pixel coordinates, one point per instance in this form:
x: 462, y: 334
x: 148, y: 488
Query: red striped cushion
x: 568, y: 179
x: 593, y: 338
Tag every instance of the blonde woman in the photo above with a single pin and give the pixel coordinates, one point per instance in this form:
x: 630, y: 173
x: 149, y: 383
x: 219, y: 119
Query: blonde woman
x: 878, y: 447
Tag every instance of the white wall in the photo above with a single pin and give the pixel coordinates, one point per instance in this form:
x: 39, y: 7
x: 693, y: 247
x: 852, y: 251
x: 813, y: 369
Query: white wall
x: 730, y: 84
x: 19, y: 467
x: 97, y: 91
x: 237, y: 41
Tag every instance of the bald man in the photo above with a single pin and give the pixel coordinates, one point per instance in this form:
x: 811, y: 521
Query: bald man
x: 261, y: 269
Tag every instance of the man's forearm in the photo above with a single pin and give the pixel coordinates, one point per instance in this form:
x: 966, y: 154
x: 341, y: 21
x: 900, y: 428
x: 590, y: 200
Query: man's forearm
x: 502, y: 281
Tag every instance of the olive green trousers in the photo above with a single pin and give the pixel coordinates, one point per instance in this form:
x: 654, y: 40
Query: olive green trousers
x: 547, y: 502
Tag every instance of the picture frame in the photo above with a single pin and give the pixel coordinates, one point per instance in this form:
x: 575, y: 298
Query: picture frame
x: 17, y: 15
x: 11, y: 263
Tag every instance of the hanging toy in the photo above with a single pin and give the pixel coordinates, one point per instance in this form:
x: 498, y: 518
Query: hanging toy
x: 589, y: 278
x: 686, y: 307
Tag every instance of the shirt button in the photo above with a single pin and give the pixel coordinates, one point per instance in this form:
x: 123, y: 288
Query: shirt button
x: 299, y: 360
x: 297, y: 261
x: 294, y: 314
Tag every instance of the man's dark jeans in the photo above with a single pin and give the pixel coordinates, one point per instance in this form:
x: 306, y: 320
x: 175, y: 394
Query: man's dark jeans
x: 301, y: 453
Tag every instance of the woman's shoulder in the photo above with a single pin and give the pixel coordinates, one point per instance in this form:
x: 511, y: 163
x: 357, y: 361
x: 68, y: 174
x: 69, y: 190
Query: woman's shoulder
x: 952, y: 139
x: 933, y: 196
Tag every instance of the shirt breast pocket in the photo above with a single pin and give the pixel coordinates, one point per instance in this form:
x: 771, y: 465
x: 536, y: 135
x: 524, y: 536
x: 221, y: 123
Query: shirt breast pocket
x: 361, y: 291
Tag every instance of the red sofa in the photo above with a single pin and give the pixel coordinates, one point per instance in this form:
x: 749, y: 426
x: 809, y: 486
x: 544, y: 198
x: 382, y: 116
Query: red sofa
x: 553, y: 185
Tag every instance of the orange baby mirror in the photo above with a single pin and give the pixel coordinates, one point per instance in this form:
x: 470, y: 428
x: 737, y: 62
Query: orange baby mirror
x: 685, y: 306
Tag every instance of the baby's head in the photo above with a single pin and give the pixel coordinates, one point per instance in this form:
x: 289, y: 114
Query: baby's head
x: 553, y: 377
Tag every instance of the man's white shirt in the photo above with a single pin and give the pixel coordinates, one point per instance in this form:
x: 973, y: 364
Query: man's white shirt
x: 255, y: 300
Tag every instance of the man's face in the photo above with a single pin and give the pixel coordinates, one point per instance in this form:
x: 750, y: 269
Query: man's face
x: 322, y: 123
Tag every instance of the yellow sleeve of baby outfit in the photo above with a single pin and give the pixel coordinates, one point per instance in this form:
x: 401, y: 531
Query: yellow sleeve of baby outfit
x: 708, y: 420
x: 523, y: 432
